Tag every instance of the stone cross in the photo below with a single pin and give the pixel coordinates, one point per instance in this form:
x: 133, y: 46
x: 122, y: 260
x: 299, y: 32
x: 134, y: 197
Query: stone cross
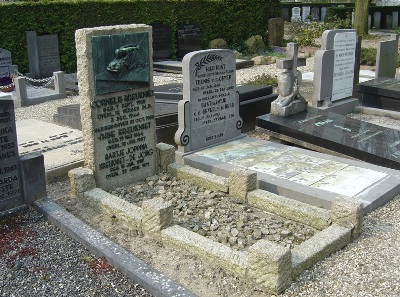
x: 289, y: 100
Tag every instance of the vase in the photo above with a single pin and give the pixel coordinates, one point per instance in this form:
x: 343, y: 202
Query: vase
x: 8, y: 88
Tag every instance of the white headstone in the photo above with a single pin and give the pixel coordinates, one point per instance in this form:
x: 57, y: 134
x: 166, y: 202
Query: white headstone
x: 296, y: 14
x: 323, y: 13
x: 343, y: 73
x: 209, y: 111
x: 5, y: 62
x: 377, y: 19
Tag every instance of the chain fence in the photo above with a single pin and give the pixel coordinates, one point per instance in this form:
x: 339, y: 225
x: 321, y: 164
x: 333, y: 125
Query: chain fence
x: 39, y: 83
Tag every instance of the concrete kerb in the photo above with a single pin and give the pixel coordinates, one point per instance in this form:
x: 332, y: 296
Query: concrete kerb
x: 135, y: 269
x: 244, y: 264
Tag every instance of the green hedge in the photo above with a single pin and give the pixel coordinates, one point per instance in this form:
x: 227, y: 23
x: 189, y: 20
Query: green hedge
x: 233, y: 20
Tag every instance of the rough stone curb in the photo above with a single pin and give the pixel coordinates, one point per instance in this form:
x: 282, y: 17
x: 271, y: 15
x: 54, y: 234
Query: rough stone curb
x: 135, y: 269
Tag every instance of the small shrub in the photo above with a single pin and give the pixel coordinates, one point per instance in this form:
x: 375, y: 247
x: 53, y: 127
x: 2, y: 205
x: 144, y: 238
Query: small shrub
x: 264, y: 79
x: 368, y: 56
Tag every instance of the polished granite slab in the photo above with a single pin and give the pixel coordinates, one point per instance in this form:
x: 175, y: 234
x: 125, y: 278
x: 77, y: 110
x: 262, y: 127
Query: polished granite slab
x: 300, y: 174
x: 361, y: 140
x: 381, y: 92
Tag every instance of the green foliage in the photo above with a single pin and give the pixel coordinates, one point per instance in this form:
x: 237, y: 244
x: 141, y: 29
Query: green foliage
x: 368, y: 57
x: 304, y: 33
x: 264, y: 79
x: 232, y: 20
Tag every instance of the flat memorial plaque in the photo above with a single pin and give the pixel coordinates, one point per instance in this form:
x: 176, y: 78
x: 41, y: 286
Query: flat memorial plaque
x: 300, y: 174
x: 354, y: 138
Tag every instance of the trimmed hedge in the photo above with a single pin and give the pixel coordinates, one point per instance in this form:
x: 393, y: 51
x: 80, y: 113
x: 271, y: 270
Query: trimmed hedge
x: 233, y: 20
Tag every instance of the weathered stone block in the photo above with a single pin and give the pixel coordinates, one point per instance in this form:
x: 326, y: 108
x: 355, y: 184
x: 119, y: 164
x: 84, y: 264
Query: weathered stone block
x: 215, y: 252
x: 166, y: 154
x: 270, y: 266
x: 198, y: 177
x: 255, y: 44
x: 348, y: 213
x: 241, y: 181
x: 304, y: 213
x: 318, y: 247
x: 218, y: 43
x: 157, y: 215
x: 81, y: 180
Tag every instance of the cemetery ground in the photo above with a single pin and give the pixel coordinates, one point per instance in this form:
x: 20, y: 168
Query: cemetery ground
x: 366, y: 267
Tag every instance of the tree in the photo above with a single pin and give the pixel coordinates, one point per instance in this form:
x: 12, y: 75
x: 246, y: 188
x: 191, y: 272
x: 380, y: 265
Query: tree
x: 361, y: 16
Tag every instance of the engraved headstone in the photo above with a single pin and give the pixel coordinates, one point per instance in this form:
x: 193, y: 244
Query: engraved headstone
x: 188, y: 38
x: 6, y: 67
x: 10, y: 181
x: 315, y: 14
x: 117, y: 103
x: 162, y: 36
x: 388, y: 23
x: 285, y: 14
x: 386, y: 57
x: 43, y: 54
x: 334, y: 67
x: 296, y: 14
x: 395, y: 20
x: 209, y: 111
x: 276, y: 28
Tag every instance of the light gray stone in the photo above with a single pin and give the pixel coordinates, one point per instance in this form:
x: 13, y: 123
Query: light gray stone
x: 166, y: 153
x: 255, y: 44
x: 241, y: 181
x: 270, y: 266
x: 296, y: 14
x: 81, y: 180
x: 209, y: 111
x: 334, y: 67
x: 118, y: 121
x: 348, y: 213
x: 157, y: 215
x: 306, y: 10
x: 386, y: 57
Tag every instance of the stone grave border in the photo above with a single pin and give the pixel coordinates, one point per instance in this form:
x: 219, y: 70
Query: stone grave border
x: 265, y: 264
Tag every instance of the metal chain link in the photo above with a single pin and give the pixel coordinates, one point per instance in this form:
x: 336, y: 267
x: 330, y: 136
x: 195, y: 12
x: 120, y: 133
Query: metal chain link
x: 31, y: 81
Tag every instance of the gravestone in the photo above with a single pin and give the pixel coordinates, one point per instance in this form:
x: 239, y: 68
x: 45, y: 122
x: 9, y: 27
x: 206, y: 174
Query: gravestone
x: 315, y: 14
x: 377, y: 19
x: 395, y: 20
x: 117, y: 103
x: 323, y: 13
x: 389, y: 21
x: 188, y: 39
x: 162, y: 36
x: 386, y: 57
x: 22, y: 179
x: 209, y: 100
x: 306, y: 13
x: 6, y: 67
x: 285, y: 14
x: 43, y: 54
x: 276, y: 28
x: 334, y: 67
x: 296, y: 14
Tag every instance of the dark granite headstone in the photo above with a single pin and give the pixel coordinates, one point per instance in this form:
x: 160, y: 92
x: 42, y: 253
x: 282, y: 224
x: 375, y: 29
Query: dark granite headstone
x: 188, y: 38
x: 381, y: 92
x: 162, y: 36
x: 276, y: 28
x: 10, y: 180
x: 354, y: 138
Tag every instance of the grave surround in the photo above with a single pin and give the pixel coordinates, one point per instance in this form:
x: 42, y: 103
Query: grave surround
x: 118, y: 125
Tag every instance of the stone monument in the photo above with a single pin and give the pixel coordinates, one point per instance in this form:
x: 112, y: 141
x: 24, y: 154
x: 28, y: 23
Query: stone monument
x: 209, y: 111
x: 335, y: 68
x: 386, y: 57
x: 117, y: 103
x: 6, y: 67
x: 289, y: 101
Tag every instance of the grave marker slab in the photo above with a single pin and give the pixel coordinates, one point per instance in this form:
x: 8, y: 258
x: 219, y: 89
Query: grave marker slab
x: 296, y: 14
x: 162, y: 37
x: 209, y: 100
x: 334, y: 67
x: 386, y: 57
x: 118, y: 121
x: 6, y: 67
x: 43, y: 54
x: 10, y: 180
x: 306, y: 13
x: 380, y: 93
x: 188, y: 39
x: 354, y: 138
x: 315, y: 14
x: 276, y: 28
